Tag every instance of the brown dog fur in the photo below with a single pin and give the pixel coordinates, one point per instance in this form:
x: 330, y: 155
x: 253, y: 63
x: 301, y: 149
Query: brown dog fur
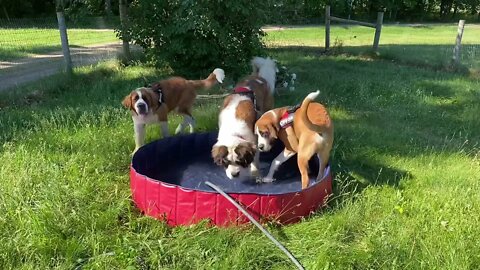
x: 312, y: 133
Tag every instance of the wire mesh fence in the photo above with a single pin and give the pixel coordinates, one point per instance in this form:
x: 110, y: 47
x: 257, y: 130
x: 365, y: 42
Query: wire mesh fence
x: 34, y: 46
x: 425, y: 45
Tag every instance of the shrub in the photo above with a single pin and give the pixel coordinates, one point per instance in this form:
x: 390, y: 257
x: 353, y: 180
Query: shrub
x: 193, y: 37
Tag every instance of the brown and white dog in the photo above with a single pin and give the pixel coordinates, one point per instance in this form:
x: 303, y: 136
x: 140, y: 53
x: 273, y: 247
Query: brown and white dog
x: 310, y: 133
x: 151, y: 105
x: 236, y: 144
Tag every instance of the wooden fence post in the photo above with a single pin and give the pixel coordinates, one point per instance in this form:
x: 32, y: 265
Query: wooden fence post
x: 458, y: 43
x: 327, y: 28
x: 62, y: 27
x: 378, y: 30
x: 124, y: 21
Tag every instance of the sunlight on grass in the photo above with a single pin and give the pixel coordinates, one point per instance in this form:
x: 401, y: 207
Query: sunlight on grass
x: 19, y: 43
x: 424, y: 45
x: 405, y: 163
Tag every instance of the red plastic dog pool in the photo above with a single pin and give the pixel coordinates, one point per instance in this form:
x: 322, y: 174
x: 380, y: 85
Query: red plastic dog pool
x: 168, y: 177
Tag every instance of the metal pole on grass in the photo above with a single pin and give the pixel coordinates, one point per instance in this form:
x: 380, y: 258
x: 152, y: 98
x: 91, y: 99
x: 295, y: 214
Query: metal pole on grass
x: 62, y: 27
x: 264, y: 231
x: 458, y: 43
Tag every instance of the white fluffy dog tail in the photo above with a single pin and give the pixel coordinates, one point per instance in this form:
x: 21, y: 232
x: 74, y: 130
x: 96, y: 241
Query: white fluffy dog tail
x: 267, y: 69
x: 219, y: 74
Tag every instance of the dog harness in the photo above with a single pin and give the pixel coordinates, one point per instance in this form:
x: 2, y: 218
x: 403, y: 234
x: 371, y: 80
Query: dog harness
x: 248, y: 92
x: 160, y: 95
x: 287, y: 118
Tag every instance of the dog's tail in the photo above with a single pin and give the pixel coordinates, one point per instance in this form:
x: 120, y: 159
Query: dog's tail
x: 303, y: 113
x: 267, y: 69
x: 217, y: 75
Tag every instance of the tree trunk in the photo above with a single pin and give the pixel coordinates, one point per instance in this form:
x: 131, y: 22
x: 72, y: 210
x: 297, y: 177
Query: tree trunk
x: 123, y: 6
x: 108, y: 7
x: 6, y: 13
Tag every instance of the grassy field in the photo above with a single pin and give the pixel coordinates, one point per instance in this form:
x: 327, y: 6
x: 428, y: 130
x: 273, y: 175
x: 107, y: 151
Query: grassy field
x: 25, y: 42
x: 406, y: 165
x: 423, y: 45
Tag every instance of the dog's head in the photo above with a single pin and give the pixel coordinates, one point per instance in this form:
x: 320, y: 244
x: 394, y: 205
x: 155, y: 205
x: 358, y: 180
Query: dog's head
x: 266, y: 128
x: 235, y: 158
x: 141, y: 101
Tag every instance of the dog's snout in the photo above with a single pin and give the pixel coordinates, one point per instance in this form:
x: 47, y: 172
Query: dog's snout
x: 261, y: 147
x: 142, y: 106
x: 235, y: 174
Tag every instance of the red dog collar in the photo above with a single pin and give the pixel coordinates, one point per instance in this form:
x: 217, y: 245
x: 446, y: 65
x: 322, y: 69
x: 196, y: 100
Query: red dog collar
x: 242, y: 89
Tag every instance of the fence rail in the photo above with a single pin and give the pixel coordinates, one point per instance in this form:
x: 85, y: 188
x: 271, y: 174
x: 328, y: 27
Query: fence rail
x: 329, y: 18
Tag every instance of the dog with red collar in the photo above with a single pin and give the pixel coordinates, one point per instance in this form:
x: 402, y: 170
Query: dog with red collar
x: 306, y: 130
x: 236, y: 146
x: 151, y: 105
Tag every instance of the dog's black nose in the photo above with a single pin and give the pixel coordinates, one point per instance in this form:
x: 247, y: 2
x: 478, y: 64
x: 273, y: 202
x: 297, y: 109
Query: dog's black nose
x: 261, y: 147
x: 236, y: 174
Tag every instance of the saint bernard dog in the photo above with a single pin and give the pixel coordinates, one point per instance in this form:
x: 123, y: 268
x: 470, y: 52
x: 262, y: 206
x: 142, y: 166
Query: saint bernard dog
x: 151, y: 105
x: 236, y: 146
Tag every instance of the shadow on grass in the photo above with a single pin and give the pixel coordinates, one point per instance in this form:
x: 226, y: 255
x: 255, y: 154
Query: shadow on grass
x: 382, y: 111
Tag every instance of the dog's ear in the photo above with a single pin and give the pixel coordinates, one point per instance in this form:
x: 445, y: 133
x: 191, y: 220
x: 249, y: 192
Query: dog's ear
x: 245, y: 154
x: 273, y: 130
x: 219, y: 154
x: 127, y: 102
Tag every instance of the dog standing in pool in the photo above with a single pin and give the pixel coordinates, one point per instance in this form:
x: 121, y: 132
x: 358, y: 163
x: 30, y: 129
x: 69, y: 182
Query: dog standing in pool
x: 305, y: 132
x: 236, y: 146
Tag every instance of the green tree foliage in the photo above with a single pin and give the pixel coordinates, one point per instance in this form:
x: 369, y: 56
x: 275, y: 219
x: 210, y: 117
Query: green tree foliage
x: 193, y: 37
x: 26, y: 8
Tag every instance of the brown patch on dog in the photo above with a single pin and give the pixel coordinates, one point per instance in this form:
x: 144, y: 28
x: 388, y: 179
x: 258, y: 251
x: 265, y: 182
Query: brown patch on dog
x: 151, y: 98
x: 245, y: 154
x: 219, y: 155
x: 246, y: 112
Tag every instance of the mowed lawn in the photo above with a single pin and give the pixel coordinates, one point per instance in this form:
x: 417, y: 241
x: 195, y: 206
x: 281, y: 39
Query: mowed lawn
x: 428, y: 45
x: 406, y: 165
x: 26, y: 42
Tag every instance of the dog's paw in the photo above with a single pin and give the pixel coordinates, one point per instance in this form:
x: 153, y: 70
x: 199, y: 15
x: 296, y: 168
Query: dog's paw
x: 268, y: 179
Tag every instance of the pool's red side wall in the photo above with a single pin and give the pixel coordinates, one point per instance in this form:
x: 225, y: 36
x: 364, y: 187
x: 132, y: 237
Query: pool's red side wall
x: 181, y: 206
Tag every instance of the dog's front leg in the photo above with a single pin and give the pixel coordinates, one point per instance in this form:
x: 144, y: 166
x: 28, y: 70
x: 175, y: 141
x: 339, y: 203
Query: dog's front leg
x: 164, y: 128
x: 255, y: 165
x: 281, y: 158
x: 139, y: 129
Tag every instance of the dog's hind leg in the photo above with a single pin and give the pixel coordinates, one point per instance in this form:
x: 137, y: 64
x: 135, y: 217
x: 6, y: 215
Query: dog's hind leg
x: 305, y: 152
x: 254, y: 166
x: 188, y: 121
x: 139, y: 135
x: 321, y: 167
x: 164, y: 129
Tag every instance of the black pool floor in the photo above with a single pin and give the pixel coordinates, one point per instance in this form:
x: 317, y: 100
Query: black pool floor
x: 185, y: 160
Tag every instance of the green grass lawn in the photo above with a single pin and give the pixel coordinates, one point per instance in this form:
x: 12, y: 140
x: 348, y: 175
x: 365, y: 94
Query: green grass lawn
x: 425, y: 45
x: 25, y: 42
x: 406, y: 165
